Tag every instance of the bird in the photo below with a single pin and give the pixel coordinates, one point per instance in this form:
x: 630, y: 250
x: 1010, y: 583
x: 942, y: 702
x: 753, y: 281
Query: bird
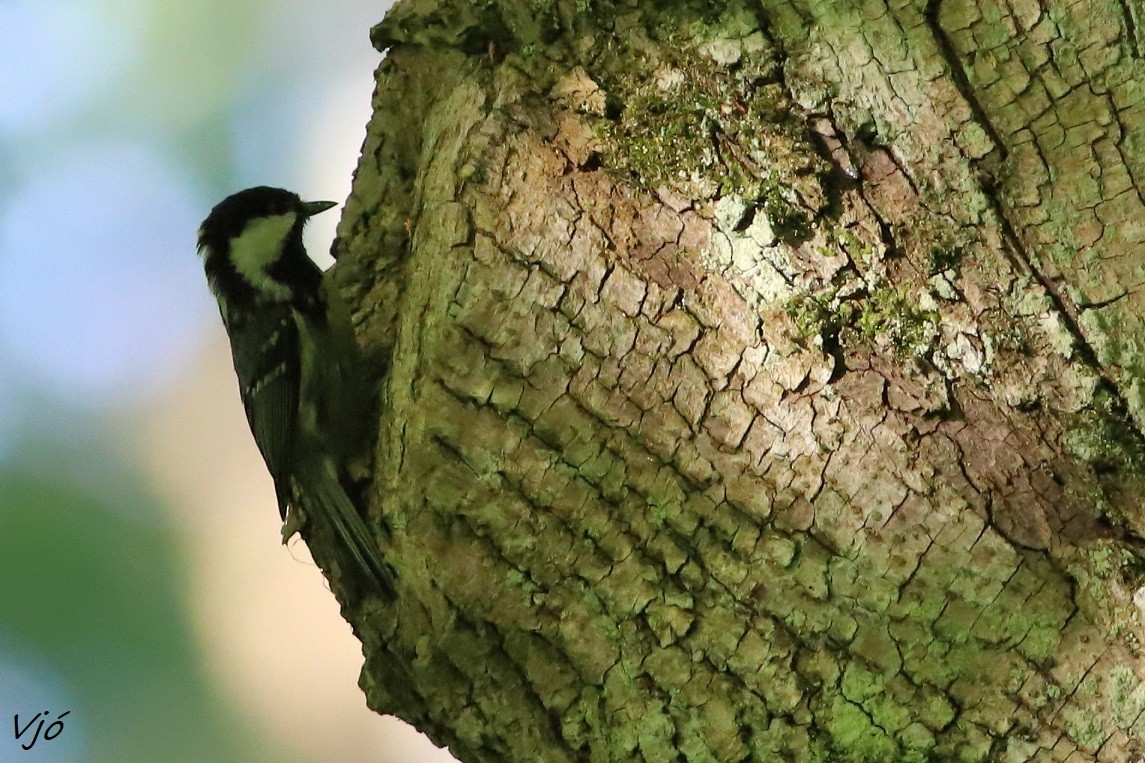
x: 298, y: 365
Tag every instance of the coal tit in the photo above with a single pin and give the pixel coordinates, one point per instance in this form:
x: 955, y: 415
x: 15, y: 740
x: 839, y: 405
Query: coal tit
x: 298, y: 365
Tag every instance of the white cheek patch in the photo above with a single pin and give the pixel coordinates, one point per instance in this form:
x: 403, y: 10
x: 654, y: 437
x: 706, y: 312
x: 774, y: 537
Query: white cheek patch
x: 258, y: 247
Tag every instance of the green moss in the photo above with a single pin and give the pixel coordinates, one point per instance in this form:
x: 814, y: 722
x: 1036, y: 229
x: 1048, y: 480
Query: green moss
x: 885, y: 313
x: 893, y: 314
x: 1040, y: 644
x: 1125, y: 698
x: 734, y: 20
x: 945, y: 258
x: 917, y: 742
x: 1116, y: 347
x: 820, y: 315
x: 1085, y: 729
x: 655, y: 135
x: 707, y: 123
x: 854, y: 736
x: 1104, y: 437
x: 1092, y: 568
x: 860, y: 684
x: 712, y: 115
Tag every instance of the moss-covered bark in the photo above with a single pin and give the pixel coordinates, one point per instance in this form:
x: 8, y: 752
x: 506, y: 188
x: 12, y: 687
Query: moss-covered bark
x: 762, y: 378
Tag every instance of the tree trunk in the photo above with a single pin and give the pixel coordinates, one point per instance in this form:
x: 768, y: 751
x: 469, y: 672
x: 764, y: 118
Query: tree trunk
x: 761, y: 378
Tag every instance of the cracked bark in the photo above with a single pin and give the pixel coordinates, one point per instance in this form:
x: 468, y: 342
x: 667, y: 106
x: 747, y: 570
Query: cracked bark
x: 761, y: 381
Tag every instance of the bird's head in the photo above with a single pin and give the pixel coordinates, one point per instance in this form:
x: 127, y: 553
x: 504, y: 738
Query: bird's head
x: 255, y: 236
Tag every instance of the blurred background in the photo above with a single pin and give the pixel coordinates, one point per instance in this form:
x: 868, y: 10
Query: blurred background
x: 147, y: 608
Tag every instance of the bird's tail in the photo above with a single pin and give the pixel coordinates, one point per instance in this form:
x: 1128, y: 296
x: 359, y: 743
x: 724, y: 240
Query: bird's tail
x: 324, y: 500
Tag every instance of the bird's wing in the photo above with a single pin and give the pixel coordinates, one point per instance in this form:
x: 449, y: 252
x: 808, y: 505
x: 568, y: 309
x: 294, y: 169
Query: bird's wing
x: 325, y: 502
x: 266, y: 355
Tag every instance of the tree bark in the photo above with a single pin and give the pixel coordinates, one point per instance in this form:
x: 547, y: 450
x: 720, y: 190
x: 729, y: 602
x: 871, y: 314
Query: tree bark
x: 761, y: 378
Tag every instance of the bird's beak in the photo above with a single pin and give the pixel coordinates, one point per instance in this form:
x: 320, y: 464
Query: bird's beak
x: 311, y: 208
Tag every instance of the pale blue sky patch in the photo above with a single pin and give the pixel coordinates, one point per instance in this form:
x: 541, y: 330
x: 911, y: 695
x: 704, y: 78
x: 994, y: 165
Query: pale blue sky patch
x: 100, y: 286
x: 59, y: 57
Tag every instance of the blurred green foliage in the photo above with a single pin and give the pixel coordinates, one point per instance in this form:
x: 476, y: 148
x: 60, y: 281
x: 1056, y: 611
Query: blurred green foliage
x: 93, y: 591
